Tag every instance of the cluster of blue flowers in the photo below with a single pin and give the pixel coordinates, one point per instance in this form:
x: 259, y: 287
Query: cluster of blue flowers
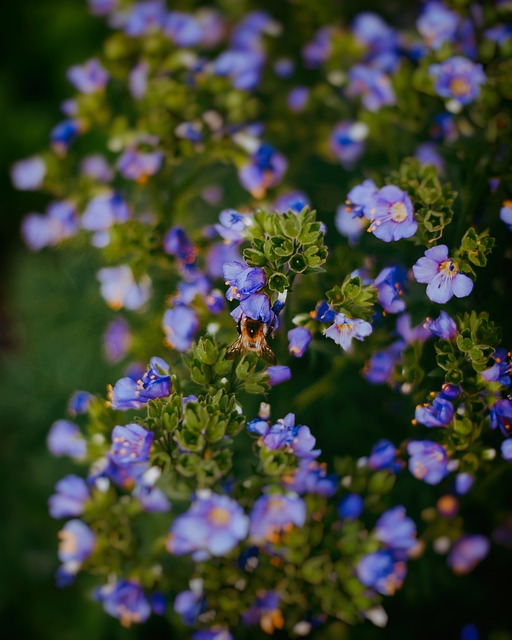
x: 155, y: 202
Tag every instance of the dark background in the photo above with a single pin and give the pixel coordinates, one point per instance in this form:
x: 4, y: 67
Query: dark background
x: 51, y: 321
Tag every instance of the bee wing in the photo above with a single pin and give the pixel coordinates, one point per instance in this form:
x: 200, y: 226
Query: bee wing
x: 266, y: 352
x: 235, y: 350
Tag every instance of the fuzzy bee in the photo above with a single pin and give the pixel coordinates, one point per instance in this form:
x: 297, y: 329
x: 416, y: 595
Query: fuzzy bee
x: 253, y: 337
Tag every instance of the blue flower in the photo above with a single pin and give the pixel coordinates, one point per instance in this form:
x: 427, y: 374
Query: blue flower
x: 467, y: 552
x: 350, y: 506
x: 297, y: 99
x: 345, y: 329
x: 437, y: 24
x: 180, y: 325
x: 243, y: 68
x: 138, y: 80
x: 390, y: 286
x: 116, y: 340
x: 273, y: 515
x: 373, y: 85
x: 242, y: 280
x: 64, y: 134
x: 442, y: 275
x: 189, y: 605
x: 437, y: 414
x: 124, y: 600
x: 130, y: 444
x: 506, y: 214
x: 384, y: 456
x: 299, y: 340
x: 103, y: 211
x: 28, y: 174
x: 457, y: 78
x: 347, y: 142
x: 428, y: 461
x: 277, y: 374
x: 232, y: 226
x: 311, y: 477
x: 379, y: 368
x: 77, y: 542
x: 464, y: 482
x: 88, y: 78
x: 65, y: 439
x: 72, y: 494
x: 323, y: 312
x: 318, y: 50
x: 213, y: 525
x: 264, y: 170
x: 395, y: 530
x: 428, y: 154
x: 501, y: 416
x: 506, y: 450
x: 119, y: 289
x: 381, y: 571
x: 351, y: 217
x: 216, y: 633
x: 284, y: 434
x: 139, y: 165
x: 59, y: 223
x: 183, y: 29
x: 96, y: 167
x: 379, y: 39
x: 293, y: 201
x: 145, y: 17
x: 392, y: 216
x: 443, y: 326
x: 500, y: 370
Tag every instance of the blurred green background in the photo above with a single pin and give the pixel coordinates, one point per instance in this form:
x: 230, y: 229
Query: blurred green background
x: 51, y: 321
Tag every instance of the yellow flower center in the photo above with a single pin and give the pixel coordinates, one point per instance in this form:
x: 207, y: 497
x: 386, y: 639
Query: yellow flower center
x: 345, y: 327
x: 219, y: 516
x: 460, y: 87
x: 398, y: 212
x: 448, y: 268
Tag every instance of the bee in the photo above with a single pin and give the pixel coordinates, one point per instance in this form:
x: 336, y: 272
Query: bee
x: 253, y: 337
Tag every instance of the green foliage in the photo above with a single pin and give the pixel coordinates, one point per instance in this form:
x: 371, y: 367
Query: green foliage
x: 353, y: 298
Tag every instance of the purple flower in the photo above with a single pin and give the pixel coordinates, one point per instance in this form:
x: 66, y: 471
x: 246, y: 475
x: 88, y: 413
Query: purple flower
x: 72, y: 494
x: 180, y: 325
x: 379, y: 368
x: 437, y: 414
x: 427, y: 153
x: 373, y: 85
x: 177, y: 243
x: 102, y: 7
x: 145, y: 17
x: 428, y: 461
x: 389, y: 284
x: 500, y: 34
x: 467, y: 552
x: 345, y: 329
x: 442, y: 275
x: 139, y: 165
x: 273, y: 515
x: 505, y: 214
x: 443, y: 326
x: 311, y: 477
x: 189, y: 605
x: 119, y: 289
x: 395, y: 530
x: 183, y: 29
x: 242, y: 280
x: 351, y: 217
x: 501, y: 416
x: 123, y: 395
x: 59, y: 223
x: 138, y: 80
x: 96, y: 167
x: 28, y: 174
x: 216, y: 633
x: 323, y: 312
x: 243, y: 68
x: 437, y: 24
x: 379, y: 38
x: 409, y: 333
x: 297, y: 99
x: 500, y: 370
x: 299, y: 340
x: 277, y: 374
x: 213, y: 526
x: 264, y: 170
x: 124, y: 600
x: 88, y: 78
x: 318, y: 50
x: 464, y: 482
x: 458, y: 78
x: 350, y: 506
x: 347, y: 142
x: 284, y: 434
x: 154, y: 383
x: 293, y: 201
x: 232, y: 226
x: 130, y: 444
x: 392, y: 217
x: 381, y: 571
x: 64, y: 134
x: 116, y: 340
x: 103, y: 211
x: 77, y: 542
x: 506, y: 450
x: 255, y: 306
x: 384, y: 456
x: 79, y: 402
x: 65, y: 439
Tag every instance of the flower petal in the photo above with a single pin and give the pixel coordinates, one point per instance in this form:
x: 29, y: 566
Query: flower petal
x: 462, y: 285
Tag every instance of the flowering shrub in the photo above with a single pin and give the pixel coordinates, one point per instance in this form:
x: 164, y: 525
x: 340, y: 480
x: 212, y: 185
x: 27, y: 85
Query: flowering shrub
x: 180, y: 160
